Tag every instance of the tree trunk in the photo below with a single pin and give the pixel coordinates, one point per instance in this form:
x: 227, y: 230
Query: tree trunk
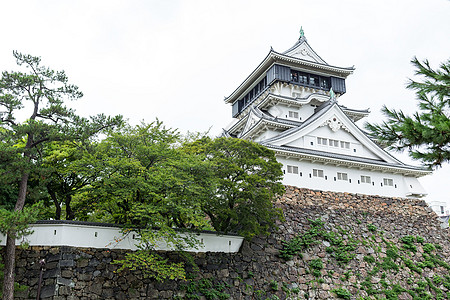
x: 55, y: 201
x: 70, y: 215
x: 10, y: 256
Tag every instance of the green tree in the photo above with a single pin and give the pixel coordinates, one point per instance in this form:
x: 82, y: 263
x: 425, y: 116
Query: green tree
x: 68, y: 167
x: 246, y: 178
x: 43, y: 91
x: 148, y: 185
x: 425, y: 134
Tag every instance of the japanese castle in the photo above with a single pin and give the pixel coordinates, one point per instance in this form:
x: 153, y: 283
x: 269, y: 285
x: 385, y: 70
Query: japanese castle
x: 289, y: 104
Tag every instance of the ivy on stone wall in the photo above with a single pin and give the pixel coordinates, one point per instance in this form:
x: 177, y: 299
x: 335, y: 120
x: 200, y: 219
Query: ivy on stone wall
x: 341, y: 246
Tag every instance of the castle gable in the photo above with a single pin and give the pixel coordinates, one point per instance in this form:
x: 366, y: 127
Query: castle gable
x: 329, y: 129
x: 303, y: 50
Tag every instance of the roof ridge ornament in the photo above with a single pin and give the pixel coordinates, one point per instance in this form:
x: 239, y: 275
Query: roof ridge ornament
x: 332, y: 95
x: 302, y: 33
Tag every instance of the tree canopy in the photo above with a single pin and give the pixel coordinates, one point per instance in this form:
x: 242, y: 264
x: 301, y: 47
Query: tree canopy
x: 148, y: 178
x: 43, y: 92
x: 154, y: 182
x: 426, y: 133
x: 246, y: 177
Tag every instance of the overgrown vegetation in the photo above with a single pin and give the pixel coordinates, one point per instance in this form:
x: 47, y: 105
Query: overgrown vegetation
x: 205, y: 287
x: 381, y: 265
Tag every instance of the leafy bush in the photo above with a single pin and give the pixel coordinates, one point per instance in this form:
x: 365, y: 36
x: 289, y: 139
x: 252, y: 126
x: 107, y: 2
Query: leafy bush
x: 342, y: 293
x: 428, y: 248
x: 371, y: 227
x: 369, y: 259
x: 408, y: 243
x: 316, y: 265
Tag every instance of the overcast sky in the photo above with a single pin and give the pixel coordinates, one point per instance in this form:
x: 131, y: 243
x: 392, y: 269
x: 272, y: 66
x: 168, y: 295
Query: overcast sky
x: 177, y: 60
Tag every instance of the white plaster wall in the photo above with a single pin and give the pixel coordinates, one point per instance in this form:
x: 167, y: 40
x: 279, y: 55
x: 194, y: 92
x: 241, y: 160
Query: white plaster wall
x: 340, y: 135
x: 329, y: 184
x: 86, y: 236
x: 282, y: 111
x: 436, y: 206
x: 266, y: 135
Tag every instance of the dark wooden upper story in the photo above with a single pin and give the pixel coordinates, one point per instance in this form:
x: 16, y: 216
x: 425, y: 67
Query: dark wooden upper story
x: 289, y: 75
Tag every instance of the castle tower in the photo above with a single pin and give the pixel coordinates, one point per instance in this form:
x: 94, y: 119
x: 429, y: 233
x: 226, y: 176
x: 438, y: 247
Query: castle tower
x: 289, y: 104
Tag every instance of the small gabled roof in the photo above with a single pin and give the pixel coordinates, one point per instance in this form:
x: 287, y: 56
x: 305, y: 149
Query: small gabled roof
x: 257, y: 118
x: 303, y: 50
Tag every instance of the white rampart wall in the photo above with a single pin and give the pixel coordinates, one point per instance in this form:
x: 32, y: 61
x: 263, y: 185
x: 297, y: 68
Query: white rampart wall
x: 89, y: 236
x: 402, y: 186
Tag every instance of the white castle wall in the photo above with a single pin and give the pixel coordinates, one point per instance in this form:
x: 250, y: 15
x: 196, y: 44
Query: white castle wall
x: 282, y: 111
x: 402, y: 186
x: 94, y: 236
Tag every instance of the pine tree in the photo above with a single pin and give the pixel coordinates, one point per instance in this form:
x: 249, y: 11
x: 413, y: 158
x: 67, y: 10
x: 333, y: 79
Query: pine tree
x: 425, y: 134
x: 43, y: 92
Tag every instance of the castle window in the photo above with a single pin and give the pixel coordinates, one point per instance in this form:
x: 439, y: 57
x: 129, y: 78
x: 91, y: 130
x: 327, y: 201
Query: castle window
x: 314, y: 80
x: 365, y: 179
x: 294, y: 76
x: 388, y: 182
x: 345, y: 145
x: 303, y: 78
x: 342, y: 176
x: 322, y: 141
x: 442, y: 209
x: 317, y: 173
x: 334, y: 143
x: 324, y: 83
x: 293, y: 114
x: 292, y: 169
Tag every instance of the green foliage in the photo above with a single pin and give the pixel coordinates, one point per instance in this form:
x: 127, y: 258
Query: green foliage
x: 303, y: 241
x: 428, y: 248
x: 392, y: 252
x: 274, y: 285
x: 342, y: 251
x: 425, y: 134
x: 245, y: 180
x: 369, y: 259
x: 206, y: 288
x: 152, y: 265
x: 43, y: 91
x: 145, y: 180
x: 371, y: 227
x: 342, y: 293
x: 438, y: 279
x: 420, y: 239
x: 316, y: 265
x: 18, y: 222
x: 69, y: 169
x: 389, y: 264
x: 412, y: 266
x: 149, y: 179
x: 408, y: 243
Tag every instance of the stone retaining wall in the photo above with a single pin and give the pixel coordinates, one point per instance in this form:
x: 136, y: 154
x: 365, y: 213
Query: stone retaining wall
x: 375, y: 226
